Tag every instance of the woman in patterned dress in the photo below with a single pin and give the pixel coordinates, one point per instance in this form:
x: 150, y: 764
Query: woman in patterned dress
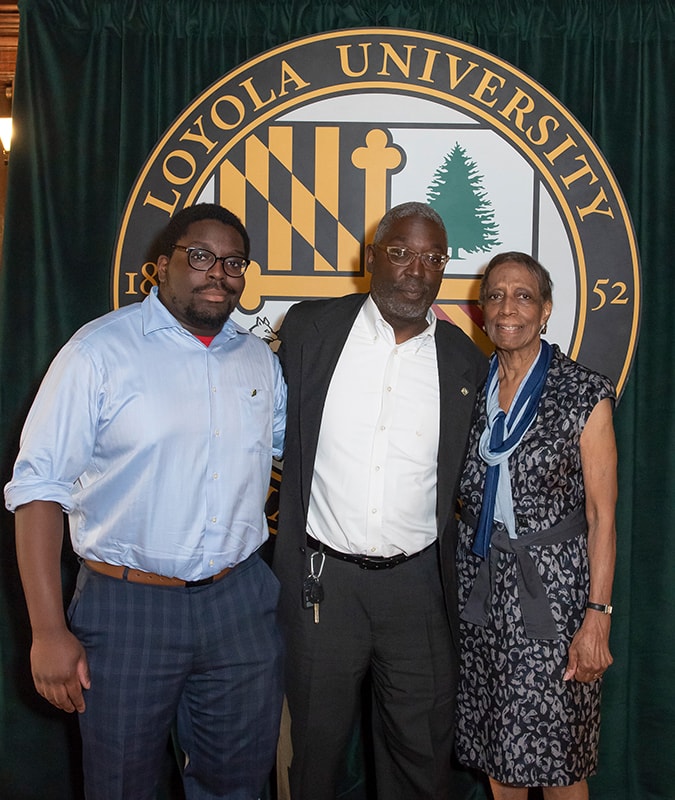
x: 536, y: 551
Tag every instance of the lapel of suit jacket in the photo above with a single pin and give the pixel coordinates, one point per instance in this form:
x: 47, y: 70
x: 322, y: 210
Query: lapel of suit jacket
x: 457, y: 395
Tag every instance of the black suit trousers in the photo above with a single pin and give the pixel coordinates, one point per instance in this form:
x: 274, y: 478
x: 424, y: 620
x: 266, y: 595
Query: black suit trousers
x: 390, y: 625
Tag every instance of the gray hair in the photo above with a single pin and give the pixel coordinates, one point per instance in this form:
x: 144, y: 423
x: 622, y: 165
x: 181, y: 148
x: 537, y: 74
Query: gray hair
x: 531, y: 265
x: 403, y: 211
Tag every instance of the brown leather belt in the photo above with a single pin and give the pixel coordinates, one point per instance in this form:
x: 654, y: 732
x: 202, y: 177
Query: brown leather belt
x: 149, y: 578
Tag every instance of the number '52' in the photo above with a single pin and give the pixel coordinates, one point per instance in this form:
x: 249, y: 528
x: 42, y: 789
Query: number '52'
x: 620, y: 298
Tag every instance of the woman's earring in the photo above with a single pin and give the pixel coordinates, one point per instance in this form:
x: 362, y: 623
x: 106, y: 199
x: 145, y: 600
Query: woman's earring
x: 542, y: 330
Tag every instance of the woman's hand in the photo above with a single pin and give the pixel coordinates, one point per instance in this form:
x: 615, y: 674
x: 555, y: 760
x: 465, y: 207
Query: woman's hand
x: 589, y: 654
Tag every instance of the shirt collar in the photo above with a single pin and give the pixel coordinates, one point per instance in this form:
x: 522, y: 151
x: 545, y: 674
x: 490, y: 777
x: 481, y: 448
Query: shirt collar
x: 156, y: 316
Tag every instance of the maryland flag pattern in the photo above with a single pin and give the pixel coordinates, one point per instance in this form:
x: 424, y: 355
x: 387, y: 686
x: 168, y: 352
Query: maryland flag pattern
x: 309, y: 194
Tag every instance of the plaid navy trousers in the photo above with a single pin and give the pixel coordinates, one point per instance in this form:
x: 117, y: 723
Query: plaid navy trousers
x: 208, y: 658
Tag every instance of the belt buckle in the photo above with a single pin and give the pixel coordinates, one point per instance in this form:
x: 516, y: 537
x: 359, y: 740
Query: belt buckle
x: 202, y: 582
x: 369, y: 562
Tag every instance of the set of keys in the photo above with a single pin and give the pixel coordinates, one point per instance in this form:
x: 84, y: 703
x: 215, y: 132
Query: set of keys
x: 312, y: 588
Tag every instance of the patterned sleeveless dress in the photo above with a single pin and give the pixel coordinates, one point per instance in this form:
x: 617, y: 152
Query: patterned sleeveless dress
x: 518, y: 721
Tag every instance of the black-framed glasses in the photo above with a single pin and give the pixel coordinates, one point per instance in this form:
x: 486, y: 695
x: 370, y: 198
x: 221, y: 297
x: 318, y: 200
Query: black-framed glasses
x: 404, y: 257
x: 202, y: 260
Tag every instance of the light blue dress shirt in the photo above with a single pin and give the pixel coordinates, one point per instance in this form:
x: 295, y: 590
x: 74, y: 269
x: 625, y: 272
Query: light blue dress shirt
x: 157, y: 447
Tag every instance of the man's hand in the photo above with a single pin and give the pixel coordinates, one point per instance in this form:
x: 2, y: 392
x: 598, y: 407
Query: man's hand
x: 58, y: 661
x: 60, y: 670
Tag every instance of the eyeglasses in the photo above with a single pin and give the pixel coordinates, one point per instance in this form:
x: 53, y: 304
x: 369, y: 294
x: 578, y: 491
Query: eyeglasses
x: 202, y: 260
x: 404, y: 257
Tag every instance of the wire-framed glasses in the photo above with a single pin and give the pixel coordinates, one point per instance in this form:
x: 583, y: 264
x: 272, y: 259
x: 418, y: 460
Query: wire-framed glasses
x: 404, y: 257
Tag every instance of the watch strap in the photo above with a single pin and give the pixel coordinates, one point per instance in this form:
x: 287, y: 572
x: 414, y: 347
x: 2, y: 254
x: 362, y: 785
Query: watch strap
x: 603, y: 608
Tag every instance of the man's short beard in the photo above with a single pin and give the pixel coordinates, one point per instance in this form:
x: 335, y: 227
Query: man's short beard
x: 203, y: 319
x: 391, y: 304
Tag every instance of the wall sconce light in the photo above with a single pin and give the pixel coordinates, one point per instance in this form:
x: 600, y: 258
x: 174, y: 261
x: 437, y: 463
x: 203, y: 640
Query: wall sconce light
x: 6, y: 136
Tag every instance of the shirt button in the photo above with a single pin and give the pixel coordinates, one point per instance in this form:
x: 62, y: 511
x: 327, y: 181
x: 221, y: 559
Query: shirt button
x: 214, y: 520
x: 388, y: 388
x: 211, y: 563
x: 373, y: 549
x: 216, y: 432
x: 373, y: 511
x: 213, y: 389
x: 377, y: 469
x: 215, y: 476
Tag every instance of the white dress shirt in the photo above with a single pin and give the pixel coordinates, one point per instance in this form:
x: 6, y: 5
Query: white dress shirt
x: 374, y: 486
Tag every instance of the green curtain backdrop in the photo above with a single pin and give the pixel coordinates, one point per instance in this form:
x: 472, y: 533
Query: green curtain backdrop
x: 98, y: 81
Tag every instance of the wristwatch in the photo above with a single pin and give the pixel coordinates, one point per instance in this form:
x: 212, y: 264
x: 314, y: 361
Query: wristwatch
x: 603, y: 608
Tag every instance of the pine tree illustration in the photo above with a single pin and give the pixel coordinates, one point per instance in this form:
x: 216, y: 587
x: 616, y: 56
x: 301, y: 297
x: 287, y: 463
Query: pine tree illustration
x: 456, y: 193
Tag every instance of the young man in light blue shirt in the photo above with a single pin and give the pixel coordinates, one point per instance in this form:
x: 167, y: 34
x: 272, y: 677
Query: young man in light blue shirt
x: 154, y: 430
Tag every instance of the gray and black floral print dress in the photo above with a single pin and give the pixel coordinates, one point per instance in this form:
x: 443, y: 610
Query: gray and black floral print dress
x: 518, y: 721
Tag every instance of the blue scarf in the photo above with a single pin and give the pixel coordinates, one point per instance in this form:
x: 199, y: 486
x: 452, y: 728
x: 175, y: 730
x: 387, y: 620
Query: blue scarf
x: 501, y: 437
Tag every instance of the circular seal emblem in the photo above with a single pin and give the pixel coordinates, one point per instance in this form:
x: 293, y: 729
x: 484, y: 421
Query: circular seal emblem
x: 311, y: 142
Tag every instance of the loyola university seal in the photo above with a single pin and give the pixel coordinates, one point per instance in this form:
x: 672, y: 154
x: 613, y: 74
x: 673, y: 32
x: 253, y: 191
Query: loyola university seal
x: 310, y: 143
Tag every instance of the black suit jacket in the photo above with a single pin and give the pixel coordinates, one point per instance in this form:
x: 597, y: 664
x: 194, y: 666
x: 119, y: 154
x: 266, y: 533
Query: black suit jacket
x: 312, y: 337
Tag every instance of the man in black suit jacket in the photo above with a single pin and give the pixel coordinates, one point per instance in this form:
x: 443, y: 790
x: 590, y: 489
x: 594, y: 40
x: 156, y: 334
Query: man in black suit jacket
x: 380, y: 399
